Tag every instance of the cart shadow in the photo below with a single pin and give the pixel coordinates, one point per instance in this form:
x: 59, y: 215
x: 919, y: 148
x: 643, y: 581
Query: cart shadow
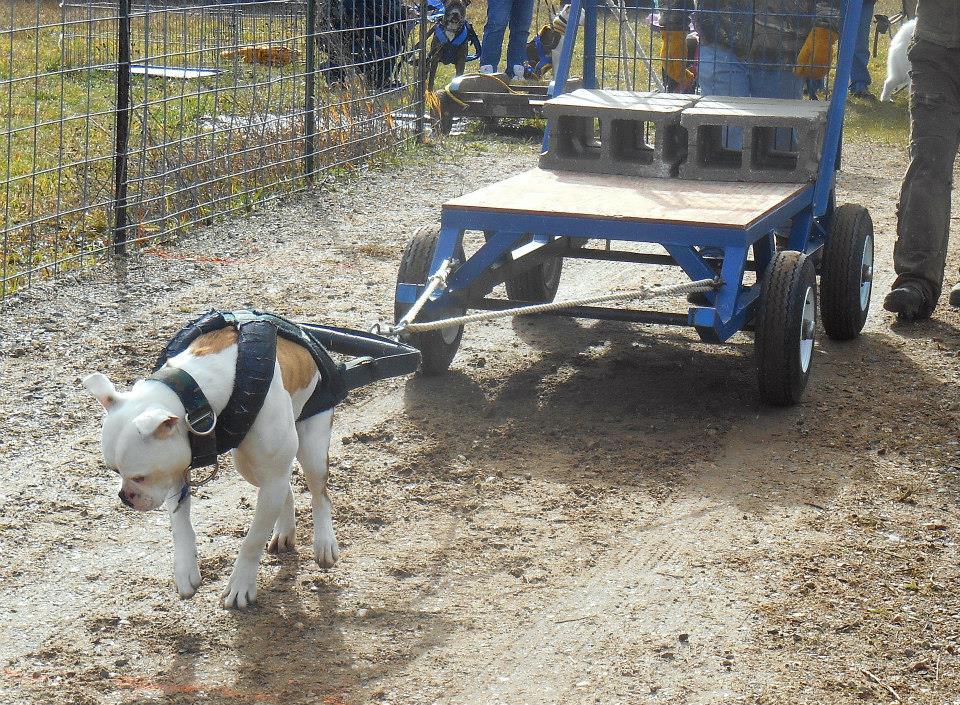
x: 663, y: 408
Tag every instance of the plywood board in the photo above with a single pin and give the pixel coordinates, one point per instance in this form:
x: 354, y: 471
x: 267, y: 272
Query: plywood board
x: 608, y: 197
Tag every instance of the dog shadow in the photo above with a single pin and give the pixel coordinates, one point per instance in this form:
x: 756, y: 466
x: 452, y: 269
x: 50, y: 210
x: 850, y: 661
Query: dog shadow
x: 298, y: 645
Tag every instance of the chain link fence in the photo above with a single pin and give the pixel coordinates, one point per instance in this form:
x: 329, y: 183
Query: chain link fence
x: 127, y: 121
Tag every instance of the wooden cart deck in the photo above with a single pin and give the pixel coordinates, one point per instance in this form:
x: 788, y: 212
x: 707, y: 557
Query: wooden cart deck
x: 626, y: 198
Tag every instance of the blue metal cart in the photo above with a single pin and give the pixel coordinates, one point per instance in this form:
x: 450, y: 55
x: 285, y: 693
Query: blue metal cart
x: 787, y: 234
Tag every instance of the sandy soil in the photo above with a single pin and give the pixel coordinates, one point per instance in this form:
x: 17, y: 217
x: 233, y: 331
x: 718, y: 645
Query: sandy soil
x: 578, y: 512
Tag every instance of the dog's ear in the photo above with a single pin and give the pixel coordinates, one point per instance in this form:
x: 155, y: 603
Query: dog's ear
x: 103, y: 389
x: 156, y: 422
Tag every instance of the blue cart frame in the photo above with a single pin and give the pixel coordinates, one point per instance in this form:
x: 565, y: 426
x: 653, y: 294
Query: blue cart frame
x: 511, y: 249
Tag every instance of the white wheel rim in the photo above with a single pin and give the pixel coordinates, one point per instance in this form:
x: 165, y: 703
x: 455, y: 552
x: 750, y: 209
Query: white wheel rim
x: 808, y: 324
x: 866, y: 273
x: 449, y: 334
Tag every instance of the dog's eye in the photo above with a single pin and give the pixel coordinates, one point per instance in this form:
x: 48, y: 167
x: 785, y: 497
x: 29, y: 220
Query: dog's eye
x: 138, y: 478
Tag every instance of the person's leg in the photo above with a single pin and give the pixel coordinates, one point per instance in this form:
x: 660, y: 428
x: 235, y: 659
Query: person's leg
x: 520, y: 18
x: 923, y: 213
x: 721, y: 72
x: 860, y: 71
x: 498, y: 15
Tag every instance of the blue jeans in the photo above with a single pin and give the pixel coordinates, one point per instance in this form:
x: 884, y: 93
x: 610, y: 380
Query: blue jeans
x: 859, y: 72
x: 721, y: 72
x: 500, y: 13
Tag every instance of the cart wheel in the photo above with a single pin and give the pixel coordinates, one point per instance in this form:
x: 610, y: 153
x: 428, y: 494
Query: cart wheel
x: 846, y: 274
x: 437, y: 348
x: 786, y: 327
x: 538, y: 283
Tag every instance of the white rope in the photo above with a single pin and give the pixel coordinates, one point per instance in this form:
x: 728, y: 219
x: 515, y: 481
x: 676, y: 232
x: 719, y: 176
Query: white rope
x: 637, y: 294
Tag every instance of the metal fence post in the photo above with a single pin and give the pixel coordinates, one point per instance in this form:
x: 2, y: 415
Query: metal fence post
x: 422, y: 74
x: 310, y: 86
x: 122, y: 116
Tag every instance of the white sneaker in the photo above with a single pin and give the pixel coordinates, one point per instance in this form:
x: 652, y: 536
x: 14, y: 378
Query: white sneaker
x: 486, y: 69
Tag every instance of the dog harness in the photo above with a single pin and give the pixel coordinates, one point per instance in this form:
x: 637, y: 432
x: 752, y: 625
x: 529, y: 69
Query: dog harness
x: 543, y: 58
x: 212, y: 432
x: 449, y: 47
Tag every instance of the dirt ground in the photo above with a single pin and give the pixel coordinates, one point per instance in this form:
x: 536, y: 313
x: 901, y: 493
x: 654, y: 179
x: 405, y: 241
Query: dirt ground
x: 579, y: 512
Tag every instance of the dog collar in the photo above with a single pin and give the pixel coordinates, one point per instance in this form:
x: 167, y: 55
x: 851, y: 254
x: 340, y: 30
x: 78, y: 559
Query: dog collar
x: 200, y: 417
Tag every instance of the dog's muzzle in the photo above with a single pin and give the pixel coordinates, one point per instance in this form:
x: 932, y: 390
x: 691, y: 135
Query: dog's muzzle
x: 125, y: 499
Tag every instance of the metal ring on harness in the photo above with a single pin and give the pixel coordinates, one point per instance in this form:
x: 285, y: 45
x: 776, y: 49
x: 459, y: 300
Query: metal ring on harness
x: 207, y: 414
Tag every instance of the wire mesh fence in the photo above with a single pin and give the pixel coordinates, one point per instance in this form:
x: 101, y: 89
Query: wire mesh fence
x: 128, y: 121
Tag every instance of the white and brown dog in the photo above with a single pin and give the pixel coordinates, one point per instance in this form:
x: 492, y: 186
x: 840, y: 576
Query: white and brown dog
x: 146, y: 441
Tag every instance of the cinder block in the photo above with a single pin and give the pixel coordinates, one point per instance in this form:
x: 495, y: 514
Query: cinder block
x: 616, y: 132
x: 797, y: 125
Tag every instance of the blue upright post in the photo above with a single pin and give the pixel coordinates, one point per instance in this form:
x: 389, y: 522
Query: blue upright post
x: 589, y: 43
x: 841, y: 83
x: 562, y: 70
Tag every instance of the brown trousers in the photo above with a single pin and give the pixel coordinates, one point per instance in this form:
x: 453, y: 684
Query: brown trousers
x: 923, y: 214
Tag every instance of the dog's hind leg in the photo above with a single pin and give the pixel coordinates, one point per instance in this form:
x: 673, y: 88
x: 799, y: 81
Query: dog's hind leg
x: 314, y: 458
x: 285, y: 530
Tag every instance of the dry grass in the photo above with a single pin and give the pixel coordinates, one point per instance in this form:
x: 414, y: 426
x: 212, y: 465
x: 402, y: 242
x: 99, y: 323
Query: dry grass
x: 199, y: 147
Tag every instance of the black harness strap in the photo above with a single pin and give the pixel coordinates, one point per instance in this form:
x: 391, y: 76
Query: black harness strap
x: 375, y: 358
x: 332, y: 388
x: 200, y: 417
x: 256, y: 360
x: 256, y: 357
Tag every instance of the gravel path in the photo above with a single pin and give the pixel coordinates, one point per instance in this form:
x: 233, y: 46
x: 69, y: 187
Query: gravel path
x: 578, y: 512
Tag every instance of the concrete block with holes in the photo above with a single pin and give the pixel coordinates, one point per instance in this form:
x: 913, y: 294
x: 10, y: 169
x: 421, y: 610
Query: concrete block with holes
x: 754, y: 139
x: 616, y: 132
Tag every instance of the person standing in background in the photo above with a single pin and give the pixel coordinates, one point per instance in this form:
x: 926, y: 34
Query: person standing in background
x: 923, y: 213
x: 751, y: 48
x: 860, y: 71
x: 517, y: 14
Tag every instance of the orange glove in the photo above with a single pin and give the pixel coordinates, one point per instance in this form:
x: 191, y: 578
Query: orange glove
x: 814, y: 58
x: 674, y: 55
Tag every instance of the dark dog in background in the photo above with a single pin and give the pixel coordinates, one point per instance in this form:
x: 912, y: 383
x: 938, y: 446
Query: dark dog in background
x: 450, y: 39
x: 365, y: 40
x: 542, y: 49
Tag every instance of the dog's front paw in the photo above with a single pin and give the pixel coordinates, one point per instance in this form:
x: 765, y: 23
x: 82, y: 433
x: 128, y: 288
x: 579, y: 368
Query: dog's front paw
x: 187, y: 578
x: 241, y: 589
x: 325, y: 549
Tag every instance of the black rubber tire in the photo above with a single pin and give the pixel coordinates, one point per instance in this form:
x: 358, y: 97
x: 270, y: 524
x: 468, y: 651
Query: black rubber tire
x: 841, y: 273
x: 780, y: 372
x: 437, y: 348
x: 538, y: 283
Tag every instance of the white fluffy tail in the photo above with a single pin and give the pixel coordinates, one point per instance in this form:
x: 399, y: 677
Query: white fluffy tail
x: 898, y: 66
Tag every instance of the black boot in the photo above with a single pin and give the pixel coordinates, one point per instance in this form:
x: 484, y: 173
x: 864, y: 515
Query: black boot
x: 908, y: 303
x: 955, y: 295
